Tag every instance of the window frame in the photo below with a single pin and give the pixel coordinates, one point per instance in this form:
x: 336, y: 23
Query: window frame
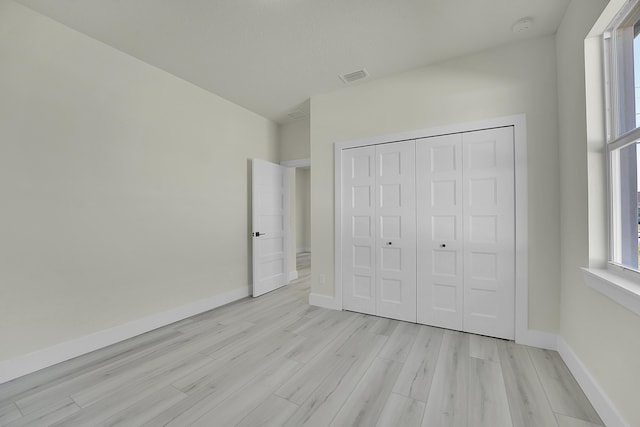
x: 620, y: 112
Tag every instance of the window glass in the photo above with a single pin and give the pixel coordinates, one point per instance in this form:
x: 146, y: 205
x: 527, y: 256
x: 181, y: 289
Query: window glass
x: 636, y: 70
x: 624, y: 137
x: 625, y: 221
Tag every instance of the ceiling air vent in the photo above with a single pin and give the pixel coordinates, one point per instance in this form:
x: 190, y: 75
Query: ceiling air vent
x: 356, y: 75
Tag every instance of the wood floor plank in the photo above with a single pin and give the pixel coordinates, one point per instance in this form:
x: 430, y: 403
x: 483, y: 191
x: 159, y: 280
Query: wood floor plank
x: 327, y: 399
x: 9, y: 412
x: 48, y: 415
x: 209, y: 386
x: 319, y: 324
x: 269, y: 343
x: 195, y: 405
x: 364, y: 405
x: 528, y: 402
x: 273, y: 348
x: 488, y: 404
x: 163, y: 369
x: 484, y: 348
x: 400, y: 342
x: 417, y: 372
x: 200, y: 378
x: 565, y: 421
x: 119, y: 400
x: 564, y: 393
x: 144, y: 410
x: 273, y: 412
x: 246, y: 341
x: 383, y: 326
x: 234, y: 336
x: 447, y: 402
x: 352, y: 345
x: 209, y: 396
x: 330, y: 362
x: 372, y: 324
x: 310, y: 347
x: 401, y: 411
x: 233, y: 409
x: 302, y: 385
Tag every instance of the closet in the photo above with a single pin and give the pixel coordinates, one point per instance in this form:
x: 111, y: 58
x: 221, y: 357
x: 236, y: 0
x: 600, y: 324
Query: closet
x: 428, y: 231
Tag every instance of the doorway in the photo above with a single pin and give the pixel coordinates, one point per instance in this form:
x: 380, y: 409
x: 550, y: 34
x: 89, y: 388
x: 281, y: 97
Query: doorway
x: 300, y: 219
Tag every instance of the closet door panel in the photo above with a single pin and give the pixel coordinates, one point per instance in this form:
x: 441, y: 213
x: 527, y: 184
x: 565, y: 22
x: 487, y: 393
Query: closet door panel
x: 489, y: 223
x: 396, y: 231
x: 358, y: 222
x: 440, y: 233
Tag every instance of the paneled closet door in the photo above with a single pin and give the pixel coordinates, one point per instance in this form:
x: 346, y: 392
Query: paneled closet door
x: 358, y: 230
x: 440, y: 281
x: 489, y: 227
x: 396, y: 231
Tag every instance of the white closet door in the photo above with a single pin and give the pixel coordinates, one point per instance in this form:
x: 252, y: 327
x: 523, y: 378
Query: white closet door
x: 440, y: 236
x: 396, y: 231
x: 489, y: 227
x: 358, y: 222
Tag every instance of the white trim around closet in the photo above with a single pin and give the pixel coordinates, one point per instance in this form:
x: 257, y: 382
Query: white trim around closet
x: 522, y: 333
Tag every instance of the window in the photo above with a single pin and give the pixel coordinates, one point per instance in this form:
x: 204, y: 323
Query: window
x: 622, y: 72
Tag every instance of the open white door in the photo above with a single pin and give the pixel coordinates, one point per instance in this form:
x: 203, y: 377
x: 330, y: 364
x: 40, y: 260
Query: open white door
x: 270, y: 221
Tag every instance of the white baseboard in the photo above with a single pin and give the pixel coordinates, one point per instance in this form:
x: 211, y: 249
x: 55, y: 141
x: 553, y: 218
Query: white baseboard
x: 323, y: 301
x: 301, y: 250
x: 539, y: 339
x: 32, y: 362
x: 598, y: 398
x: 293, y: 275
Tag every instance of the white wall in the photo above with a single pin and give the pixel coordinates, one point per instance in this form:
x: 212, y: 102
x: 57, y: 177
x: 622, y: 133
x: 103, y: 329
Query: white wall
x: 603, y: 334
x: 124, y: 189
x: 294, y: 140
x: 518, y: 78
x: 303, y: 210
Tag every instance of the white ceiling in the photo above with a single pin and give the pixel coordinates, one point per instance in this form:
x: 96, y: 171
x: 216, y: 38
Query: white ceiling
x: 271, y: 56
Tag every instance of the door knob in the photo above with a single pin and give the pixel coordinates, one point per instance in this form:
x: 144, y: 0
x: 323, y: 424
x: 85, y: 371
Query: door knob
x: 443, y: 245
x: 389, y: 243
x: 258, y: 234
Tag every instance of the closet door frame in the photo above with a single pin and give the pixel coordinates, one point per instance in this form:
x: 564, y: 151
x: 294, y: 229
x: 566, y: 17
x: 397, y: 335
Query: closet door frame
x: 518, y: 122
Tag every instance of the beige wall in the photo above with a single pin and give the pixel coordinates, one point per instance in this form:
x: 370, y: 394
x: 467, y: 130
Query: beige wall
x: 124, y: 189
x: 294, y: 140
x: 603, y: 334
x: 303, y: 210
x: 519, y: 78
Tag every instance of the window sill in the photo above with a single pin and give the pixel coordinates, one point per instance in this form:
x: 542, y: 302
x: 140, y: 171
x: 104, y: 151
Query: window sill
x: 622, y: 290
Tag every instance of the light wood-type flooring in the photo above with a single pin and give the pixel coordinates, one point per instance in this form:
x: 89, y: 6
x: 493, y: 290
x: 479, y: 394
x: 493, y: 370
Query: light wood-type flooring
x: 276, y: 361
